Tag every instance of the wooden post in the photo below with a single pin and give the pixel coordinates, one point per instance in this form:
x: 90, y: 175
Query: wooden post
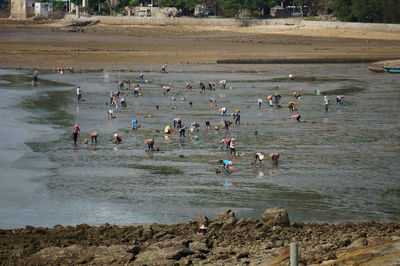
x: 293, y: 254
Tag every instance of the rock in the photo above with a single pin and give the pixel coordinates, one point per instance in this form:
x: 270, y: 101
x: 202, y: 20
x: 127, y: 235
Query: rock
x: 269, y: 245
x: 82, y: 226
x: 29, y: 228
x: 155, y: 254
x: 359, y: 243
x: 223, y: 216
x: 279, y: 243
x: 58, y: 227
x: 175, y: 253
x: 202, y: 220
x: 243, y: 254
x: 134, y: 250
x: 39, y: 230
x: 276, y: 217
x: 284, y: 251
x: 246, y: 221
x: 197, y: 247
x: 229, y: 223
x: 185, y: 262
x: 372, y: 241
x: 100, y: 255
x: 173, y: 249
x: 175, y: 242
x: 387, y: 253
x: 326, y: 247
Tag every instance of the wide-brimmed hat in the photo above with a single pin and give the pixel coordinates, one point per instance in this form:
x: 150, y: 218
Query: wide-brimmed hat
x: 203, y: 227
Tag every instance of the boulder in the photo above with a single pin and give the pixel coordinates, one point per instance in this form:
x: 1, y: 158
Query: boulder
x: 101, y: 255
x: 154, y: 255
x: 161, y: 252
x: 276, y: 217
x: 223, y: 216
x: 202, y: 220
x: 359, y: 243
x: 199, y: 247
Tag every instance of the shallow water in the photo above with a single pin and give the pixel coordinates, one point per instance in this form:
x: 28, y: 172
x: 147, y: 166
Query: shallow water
x: 340, y: 165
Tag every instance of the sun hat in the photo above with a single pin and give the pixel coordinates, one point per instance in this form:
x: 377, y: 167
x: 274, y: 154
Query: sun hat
x: 203, y: 227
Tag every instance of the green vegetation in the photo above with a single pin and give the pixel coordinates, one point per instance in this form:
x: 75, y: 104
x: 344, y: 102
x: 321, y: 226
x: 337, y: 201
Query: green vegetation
x: 376, y: 11
x: 228, y: 8
x: 59, y: 5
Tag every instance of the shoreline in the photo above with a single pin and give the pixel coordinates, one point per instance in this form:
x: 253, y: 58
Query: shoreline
x: 228, y: 240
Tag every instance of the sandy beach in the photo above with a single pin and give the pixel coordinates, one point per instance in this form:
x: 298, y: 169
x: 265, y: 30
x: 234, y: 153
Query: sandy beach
x: 130, y: 47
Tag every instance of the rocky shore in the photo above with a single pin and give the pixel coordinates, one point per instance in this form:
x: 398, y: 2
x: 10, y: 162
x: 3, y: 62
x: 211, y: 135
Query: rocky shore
x: 228, y: 241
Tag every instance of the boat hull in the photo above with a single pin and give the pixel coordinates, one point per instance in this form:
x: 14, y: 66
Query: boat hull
x: 376, y: 69
x: 392, y: 69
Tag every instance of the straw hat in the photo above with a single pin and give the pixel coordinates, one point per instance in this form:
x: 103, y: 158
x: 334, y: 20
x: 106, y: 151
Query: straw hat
x: 203, y: 227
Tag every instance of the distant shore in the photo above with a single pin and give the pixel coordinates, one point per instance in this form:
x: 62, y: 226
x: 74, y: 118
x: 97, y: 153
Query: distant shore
x: 101, y: 46
x: 227, y: 241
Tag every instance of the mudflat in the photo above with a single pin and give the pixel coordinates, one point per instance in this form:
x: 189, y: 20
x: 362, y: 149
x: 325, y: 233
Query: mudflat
x: 133, y: 46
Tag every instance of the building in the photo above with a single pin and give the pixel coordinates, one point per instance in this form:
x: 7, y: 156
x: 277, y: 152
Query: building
x: 43, y: 9
x: 22, y: 9
x: 204, y: 9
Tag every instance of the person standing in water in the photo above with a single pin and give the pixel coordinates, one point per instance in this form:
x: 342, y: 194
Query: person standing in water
x: 150, y: 144
x: 208, y: 125
x: 117, y: 138
x: 296, y: 118
x: 270, y: 101
x: 339, y: 99
x: 259, y: 157
x: 227, y: 165
x: 182, y: 131
x: 259, y: 102
x: 232, y: 145
x: 223, y: 111
x: 79, y: 93
x: 274, y: 158
x: 93, y: 136
x: 35, y: 77
x: 168, y: 129
x: 326, y: 103
x: 75, y: 132
x: 134, y: 124
x: 236, y: 117
x: 177, y: 123
x: 223, y: 84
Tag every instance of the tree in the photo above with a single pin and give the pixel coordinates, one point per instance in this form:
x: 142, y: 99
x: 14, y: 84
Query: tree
x: 133, y: 3
x: 342, y: 9
x: 77, y: 2
x: 366, y: 10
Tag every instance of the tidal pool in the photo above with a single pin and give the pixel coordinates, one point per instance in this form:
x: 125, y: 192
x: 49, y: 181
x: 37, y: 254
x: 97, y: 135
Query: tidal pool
x: 340, y: 165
